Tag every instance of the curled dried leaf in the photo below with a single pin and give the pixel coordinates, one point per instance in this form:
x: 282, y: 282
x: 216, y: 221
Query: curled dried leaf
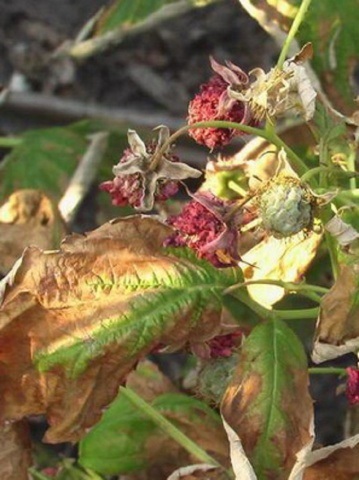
x: 337, y: 330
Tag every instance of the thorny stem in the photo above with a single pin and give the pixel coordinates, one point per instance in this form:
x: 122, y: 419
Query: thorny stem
x: 293, y: 31
x: 270, y: 136
x: 327, y: 371
x: 168, y: 427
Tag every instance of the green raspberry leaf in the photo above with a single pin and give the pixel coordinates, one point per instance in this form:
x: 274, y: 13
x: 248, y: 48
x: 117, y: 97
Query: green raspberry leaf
x: 267, y: 404
x: 125, y: 440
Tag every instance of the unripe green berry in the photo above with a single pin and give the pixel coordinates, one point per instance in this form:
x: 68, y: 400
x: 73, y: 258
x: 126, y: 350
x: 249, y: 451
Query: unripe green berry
x: 214, y: 378
x: 285, y: 206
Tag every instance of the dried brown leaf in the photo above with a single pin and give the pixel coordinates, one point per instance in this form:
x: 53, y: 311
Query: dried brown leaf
x: 66, y: 301
x: 337, y: 330
x: 336, y: 462
x: 27, y: 217
x: 15, y: 453
x: 198, y: 472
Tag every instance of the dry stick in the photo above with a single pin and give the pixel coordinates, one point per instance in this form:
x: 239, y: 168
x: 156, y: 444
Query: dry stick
x: 87, y: 48
x: 83, y: 176
x: 47, y: 105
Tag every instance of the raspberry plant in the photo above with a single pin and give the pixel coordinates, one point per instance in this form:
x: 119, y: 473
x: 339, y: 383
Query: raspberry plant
x: 218, y: 278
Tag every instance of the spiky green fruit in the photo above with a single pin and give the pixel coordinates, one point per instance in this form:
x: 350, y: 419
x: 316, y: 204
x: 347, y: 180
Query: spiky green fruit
x: 285, y: 206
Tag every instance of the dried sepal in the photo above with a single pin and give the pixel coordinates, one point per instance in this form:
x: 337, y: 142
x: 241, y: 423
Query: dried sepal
x: 344, y: 233
x: 144, y: 175
x: 280, y: 90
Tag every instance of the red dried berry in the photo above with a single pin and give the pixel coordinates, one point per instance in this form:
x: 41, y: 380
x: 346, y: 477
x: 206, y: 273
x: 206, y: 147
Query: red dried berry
x: 205, y: 107
x: 352, y: 389
x: 201, y: 228
x: 224, y: 345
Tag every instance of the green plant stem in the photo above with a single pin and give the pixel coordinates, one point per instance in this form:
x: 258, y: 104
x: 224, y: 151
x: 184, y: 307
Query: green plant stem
x: 293, y: 31
x: 331, y: 245
x: 271, y: 137
x: 10, y: 142
x: 302, y: 314
x: 334, y: 171
x: 327, y: 371
x: 236, y: 188
x: 352, y: 168
x: 288, y: 286
x: 169, y: 428
x: 263, y: 312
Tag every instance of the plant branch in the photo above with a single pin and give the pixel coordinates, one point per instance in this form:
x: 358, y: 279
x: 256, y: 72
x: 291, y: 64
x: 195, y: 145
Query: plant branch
x: 263, y: 312
x: 305, y: 289
x: 83, y: 176
x: 270, y: 136
x: 293, y: 31
x: 87, y: 48
x: 327, y: 371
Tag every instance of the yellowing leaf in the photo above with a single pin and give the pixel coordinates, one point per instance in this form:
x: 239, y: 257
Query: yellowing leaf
x: 267, y: 408
x: 278, y: 259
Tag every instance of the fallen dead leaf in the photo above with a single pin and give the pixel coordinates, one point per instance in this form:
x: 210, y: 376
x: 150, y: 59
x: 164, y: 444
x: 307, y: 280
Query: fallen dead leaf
x: 15, y: 453
x: 27, y: 217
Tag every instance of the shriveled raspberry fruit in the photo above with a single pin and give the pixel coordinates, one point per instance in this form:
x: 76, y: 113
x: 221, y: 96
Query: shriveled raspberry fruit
x: 214, y: 103
x: 285, y: 206
x: 352, y: 389
x: 201, y: 226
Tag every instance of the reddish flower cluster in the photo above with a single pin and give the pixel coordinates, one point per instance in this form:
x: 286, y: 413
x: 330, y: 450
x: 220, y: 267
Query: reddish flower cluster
x: 201, y: 228
x: 223, y: 345
x: 352, y: 390
x: 129, y: 189
x: 205, y: 106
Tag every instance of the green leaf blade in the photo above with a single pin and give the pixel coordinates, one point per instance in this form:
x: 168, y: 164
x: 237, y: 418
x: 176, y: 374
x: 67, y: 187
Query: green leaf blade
x: 261, y: 402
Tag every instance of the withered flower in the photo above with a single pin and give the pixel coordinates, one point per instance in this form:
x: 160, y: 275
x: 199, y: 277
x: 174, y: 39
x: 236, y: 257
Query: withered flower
x: 145, y: 173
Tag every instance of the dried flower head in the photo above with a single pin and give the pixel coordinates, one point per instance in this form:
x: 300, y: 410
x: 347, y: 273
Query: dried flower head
x: 214, y: 103
x: 280, y: 90
x: 202, y: 225
x: 352, y: 389
x: 145, y: 174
